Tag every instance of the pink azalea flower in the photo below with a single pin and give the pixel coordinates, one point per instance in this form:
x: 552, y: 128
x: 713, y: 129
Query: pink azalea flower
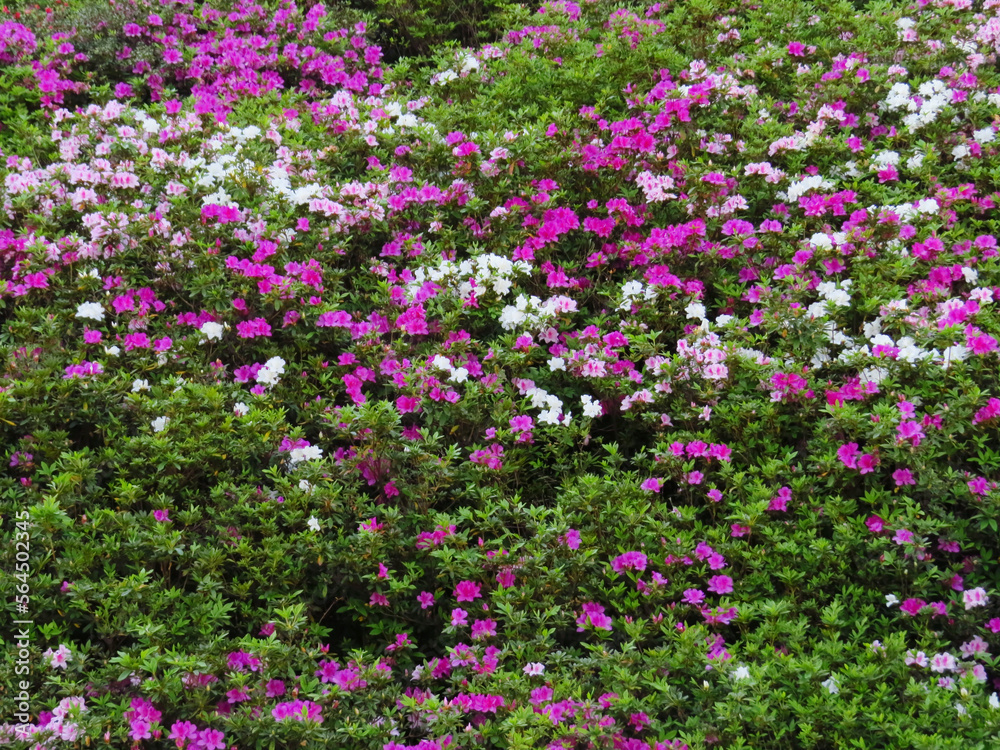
x: 848, y: 455
x: 467, y: 591
x: 483, y: 629
x: 867, y: 463
x: 720, y: 584
x: 629, y: 561
x: 694, y: 596
x: 975, y: 598
x: 593, y: 614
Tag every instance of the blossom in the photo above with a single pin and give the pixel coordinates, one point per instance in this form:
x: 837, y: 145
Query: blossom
x: 426, y: 599
x: 140, y: 730
x: 181, y: 731
x: 483, y: 629
x: 720, y: 584
x: 160, y: 424
x: 975, y: 598
x: 847, y: 453
x: 652, y: 485
x: 944, y: 662
x: 593, y: 614
x: 694, y: 596
x: 867, y: 463
x: 533, y: 668
x: 212, y: 331
x: 467, y: 591
x: 629, y: 561
x: 59, y: 658
x: 90, y: 310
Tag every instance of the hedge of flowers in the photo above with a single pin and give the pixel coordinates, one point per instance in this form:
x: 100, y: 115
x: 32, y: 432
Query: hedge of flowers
x: 630, y: 381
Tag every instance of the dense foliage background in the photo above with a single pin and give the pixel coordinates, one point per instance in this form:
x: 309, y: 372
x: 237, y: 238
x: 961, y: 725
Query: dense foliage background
x: 470, y: 374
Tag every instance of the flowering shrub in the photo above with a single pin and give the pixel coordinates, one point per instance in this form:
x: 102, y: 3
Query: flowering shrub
x: 629, y: 381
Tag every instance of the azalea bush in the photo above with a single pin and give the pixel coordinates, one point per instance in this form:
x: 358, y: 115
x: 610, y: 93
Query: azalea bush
x: 583, y: 375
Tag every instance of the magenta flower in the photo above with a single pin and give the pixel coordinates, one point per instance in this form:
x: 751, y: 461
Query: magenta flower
x: 694, y: 596
x: 912, y: 606
x: 978, y: 486
x: 140, y: 730
x: 780, y: 502
x: 720, y: 584
x: 695, y: 477
x: 875, y: 524
x: 483, y: 629
x: 459, y: 617
x: 274, y: 689
x: 867, y: 463
x: 467, y: 591
x: 593, y: 614
x: 426, y: 599
x: 903, y: 536
x: 848, y: 455
x: 652, y: 485
x: 181, y: 731
x: 161, y: 515
x: 572, y: 539
x: 903, y: 476
x: 629, y: 561
x: 327, y: 671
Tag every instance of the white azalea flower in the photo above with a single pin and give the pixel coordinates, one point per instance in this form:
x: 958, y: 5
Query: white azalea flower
x: 90, y: 310
x: 212, y: 330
